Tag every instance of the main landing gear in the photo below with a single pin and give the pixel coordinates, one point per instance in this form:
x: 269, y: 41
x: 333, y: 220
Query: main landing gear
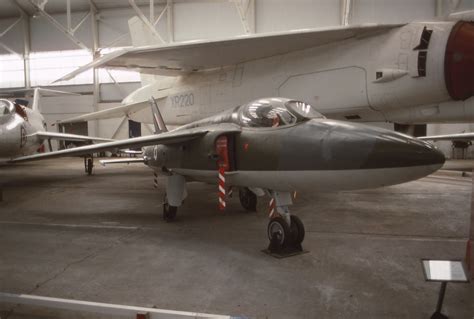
x: 169, y: 211
x: 174, y: 196
x: 88, y: 164
x: 248, y: 199
x: 286, y: 232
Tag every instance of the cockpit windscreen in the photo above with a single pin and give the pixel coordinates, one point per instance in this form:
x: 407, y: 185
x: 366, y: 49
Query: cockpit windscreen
x: 276, y: 112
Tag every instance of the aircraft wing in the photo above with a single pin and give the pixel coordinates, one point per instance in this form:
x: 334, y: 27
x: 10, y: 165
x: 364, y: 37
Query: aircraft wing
x: 199, y: 55
x: 43, y: 92
x: 119, y: 111
x: 449, y: 137
x: 68, y: 137
x: 114, y: 112
x: 173, y: 137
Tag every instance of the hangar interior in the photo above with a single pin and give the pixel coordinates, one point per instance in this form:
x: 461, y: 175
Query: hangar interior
x: 101, y: 239
x: 39, y: 44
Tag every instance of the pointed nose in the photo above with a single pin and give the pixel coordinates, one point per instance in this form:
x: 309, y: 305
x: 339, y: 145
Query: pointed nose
x: 459, y: 61
x: 395, y: 150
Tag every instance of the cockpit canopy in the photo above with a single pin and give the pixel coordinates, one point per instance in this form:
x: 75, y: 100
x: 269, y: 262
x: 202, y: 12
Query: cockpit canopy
x: 6, y: 107
x: 275, y: 112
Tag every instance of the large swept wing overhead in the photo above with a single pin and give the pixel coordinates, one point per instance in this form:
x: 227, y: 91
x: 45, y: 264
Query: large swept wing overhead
x: 199, y: 55
x: 449, y: 137
x: 174, y: 137
x: 68, y: 137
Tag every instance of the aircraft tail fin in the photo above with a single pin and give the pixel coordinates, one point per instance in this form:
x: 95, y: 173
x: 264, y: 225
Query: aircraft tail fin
x: 38, y: 93
x: 160, y: 126
x: 142, y: 36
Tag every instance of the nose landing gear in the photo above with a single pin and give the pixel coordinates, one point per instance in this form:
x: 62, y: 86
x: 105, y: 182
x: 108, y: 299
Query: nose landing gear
x: 286, y: 232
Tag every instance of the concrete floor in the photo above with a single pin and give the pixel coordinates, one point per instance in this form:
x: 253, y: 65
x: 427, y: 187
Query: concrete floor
x: 101, y: 238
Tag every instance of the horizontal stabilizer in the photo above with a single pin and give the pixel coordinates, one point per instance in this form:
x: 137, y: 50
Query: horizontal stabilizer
x: 199, y: 55
x: 68, y: 137
x: 122, y: 161
x: 114, y: 112
x: 43, y: 92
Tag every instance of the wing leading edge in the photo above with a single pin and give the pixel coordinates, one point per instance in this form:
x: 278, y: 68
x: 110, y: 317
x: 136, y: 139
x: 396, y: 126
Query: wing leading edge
x: 68, y: 137
x: 200, y: 55
x: 173, y: 137
x: 449, y: 137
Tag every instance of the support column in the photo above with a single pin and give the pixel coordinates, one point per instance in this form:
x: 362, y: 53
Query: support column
x: 470, y: 242
x: 95, y: 55
x: 26, y: 51
x: 346, y: 9
x: 169, y: 20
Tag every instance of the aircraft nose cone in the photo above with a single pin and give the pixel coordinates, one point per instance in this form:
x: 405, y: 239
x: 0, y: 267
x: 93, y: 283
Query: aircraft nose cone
x: 394, y: 150
x: 459, y: 61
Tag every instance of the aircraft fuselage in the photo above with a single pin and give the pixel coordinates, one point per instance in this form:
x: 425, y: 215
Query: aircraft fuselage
x: 406, y: 75
x: 15, y: 134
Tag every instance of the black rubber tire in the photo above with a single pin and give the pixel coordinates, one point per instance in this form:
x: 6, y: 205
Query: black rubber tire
x: 248, y: 199
x: 297, y: 230
x: 89, y: 166
x: 279, y: 233
x: 169, y: 212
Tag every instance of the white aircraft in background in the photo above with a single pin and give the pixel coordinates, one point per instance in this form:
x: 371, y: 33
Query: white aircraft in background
x: 419, y: 72
x: 23, y: 130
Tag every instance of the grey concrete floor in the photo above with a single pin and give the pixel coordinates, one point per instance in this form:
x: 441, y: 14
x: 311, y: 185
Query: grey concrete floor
x: 101, y: 238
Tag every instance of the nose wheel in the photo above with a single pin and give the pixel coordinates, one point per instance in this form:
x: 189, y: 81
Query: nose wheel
x: 285, y: 239
x: 285, y: 232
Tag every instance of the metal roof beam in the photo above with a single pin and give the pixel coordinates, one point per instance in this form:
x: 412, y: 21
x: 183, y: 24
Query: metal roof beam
x: 145, y: 20
x: 66, y: 31
x: 346, y: 10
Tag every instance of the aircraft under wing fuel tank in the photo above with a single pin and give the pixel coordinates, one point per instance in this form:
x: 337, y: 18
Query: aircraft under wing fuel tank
x: 419, y: 72
x: 273, y: 146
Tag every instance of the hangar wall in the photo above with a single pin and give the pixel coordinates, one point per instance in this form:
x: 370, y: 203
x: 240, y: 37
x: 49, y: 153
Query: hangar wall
x: 198, y: 19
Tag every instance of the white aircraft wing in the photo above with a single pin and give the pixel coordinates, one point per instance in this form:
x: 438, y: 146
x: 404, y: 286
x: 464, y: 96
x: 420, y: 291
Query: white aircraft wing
x: 199, y: 55
x: 114, y: 112
x: 68, y: 137
x: 173, y: 137
x: 43, y: 92
x: 449, y: 137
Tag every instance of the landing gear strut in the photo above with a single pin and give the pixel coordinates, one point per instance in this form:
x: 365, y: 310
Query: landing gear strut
x: 88, y: 164
x: 174, y: 196
x: 286, y: 232
x: 169, y: 212
x: 248, y: 199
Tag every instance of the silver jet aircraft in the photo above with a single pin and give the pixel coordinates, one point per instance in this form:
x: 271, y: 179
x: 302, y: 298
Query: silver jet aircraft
x: 418, y: 72
x: 23, y: 130
x: 274, y: 146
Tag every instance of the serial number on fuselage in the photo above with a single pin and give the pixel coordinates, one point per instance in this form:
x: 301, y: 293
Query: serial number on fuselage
x: 182, y: 100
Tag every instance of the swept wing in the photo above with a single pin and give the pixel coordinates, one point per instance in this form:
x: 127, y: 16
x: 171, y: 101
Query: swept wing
x: 173, y: 137
x: 449, y: 137
x: 200, y: 55
x: 68, y: 137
